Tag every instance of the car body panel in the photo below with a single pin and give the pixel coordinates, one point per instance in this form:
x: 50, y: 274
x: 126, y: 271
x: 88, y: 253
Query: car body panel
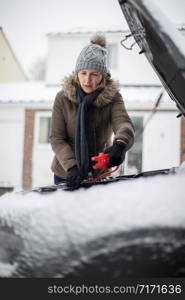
x: 161, y: 43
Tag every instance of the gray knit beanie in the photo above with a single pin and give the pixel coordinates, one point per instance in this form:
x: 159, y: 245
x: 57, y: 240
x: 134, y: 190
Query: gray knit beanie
x: 93, y: 56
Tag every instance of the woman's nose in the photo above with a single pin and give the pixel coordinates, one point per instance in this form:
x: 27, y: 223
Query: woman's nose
x: 87, y: 80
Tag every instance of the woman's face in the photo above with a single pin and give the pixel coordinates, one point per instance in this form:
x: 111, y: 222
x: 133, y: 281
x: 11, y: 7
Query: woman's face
x: 89, y: 80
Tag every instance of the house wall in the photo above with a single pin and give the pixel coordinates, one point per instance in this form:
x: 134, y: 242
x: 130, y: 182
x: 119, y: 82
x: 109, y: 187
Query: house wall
x: 11, y: 150
x: 63, y: 50
x: 42, y: 157
x: 37, y: 157
x: 161, y: 145
x: 133, y: 68
x: 26, y: 163
x: 161, y: 141
x: 62, y: 55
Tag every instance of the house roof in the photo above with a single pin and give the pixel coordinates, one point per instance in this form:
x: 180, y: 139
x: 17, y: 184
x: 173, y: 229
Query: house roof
x: 103, y: 30
x: 26, y: 93
x: 88, y: 30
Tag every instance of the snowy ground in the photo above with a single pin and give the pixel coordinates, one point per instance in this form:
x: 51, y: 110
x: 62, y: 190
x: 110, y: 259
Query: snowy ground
x: 47, y: 235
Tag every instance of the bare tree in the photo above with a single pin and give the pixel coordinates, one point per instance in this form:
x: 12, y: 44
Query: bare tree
x: 38, y: 69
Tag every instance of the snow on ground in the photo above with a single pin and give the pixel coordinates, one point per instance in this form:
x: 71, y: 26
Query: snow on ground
x: 54, y: 223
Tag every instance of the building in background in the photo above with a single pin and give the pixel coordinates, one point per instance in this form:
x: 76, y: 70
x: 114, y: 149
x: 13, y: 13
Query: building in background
x: 126, y: 66
x: 25, y: 151
x: 25, y: 112
x: 11, y: 119
x: 25, y: 155
x: 10, y: 68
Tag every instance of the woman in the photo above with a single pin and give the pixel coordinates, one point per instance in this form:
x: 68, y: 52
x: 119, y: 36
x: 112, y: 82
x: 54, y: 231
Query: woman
x: 85, y: 114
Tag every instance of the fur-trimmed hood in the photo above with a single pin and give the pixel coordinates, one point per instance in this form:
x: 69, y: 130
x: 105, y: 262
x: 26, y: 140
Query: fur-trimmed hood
x: 104, y: 98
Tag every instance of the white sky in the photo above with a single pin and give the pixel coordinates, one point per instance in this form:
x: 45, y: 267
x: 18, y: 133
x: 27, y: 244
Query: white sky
x: 26, y: 22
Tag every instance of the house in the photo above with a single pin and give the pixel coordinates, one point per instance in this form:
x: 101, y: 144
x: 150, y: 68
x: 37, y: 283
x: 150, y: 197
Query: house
x: 125, y: 65
x: 23, y: 106
x: 25, y: 113
x: 25, y: 117
x: 137, y: 78
x: 10, y: 68
x: 10, y: 71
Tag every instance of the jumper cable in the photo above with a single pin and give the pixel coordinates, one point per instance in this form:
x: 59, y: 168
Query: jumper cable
x: 101, y: 163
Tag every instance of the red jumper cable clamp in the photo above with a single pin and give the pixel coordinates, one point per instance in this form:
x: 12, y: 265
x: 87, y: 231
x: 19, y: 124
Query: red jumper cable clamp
x: 101, y: 163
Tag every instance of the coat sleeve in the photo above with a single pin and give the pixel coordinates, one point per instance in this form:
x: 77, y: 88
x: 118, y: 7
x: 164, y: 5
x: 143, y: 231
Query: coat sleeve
x: 121, y: 123
x: 58, y: 136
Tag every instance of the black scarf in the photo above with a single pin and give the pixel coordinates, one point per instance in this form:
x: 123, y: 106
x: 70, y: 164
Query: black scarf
x: 85, y: 140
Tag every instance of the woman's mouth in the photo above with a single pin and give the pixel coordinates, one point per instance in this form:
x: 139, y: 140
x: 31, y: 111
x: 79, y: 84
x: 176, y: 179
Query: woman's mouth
x: 88, y: 86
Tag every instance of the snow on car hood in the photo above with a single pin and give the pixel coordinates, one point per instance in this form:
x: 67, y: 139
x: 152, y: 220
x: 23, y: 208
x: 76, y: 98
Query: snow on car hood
x: 47, y: 235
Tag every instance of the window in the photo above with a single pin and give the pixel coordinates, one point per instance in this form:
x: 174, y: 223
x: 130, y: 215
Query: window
x: 44, y: 129
x: 134, y: 155
x: 112, y: 55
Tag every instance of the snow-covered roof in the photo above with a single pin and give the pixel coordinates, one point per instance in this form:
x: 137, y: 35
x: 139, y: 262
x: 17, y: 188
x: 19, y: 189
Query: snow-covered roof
x: 88, y: 30
x: 103, y: 30
x: 25, y: 92
x: 135, y: 96
x: 144, y: 97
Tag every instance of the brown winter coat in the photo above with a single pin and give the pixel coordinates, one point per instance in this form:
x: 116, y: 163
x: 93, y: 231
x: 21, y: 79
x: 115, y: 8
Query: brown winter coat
x: 110, y: 116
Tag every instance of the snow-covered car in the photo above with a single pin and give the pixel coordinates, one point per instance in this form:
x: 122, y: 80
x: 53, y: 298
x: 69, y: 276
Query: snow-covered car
x: 134, y: 227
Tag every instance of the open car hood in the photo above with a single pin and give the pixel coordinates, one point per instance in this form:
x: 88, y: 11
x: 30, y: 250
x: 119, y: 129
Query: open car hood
x: 162, y: 44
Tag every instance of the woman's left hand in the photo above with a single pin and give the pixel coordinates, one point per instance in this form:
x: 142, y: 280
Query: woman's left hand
x: 117, y: 154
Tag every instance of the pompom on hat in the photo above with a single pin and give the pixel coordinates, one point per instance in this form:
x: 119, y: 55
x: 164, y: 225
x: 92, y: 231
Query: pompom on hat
x: 93, y: 56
